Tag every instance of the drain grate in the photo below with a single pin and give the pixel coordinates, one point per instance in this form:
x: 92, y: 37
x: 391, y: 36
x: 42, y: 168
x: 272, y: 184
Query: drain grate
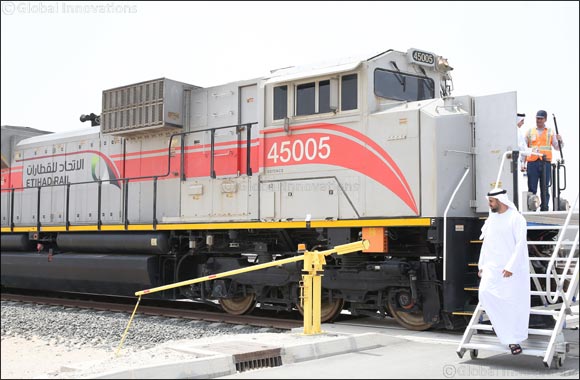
x: 258, y: 359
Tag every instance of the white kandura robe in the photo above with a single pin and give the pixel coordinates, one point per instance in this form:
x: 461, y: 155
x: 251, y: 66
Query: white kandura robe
x: 506, y: 300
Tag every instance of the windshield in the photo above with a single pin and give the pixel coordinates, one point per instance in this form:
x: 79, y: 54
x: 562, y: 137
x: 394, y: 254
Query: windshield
x: 399, y: 86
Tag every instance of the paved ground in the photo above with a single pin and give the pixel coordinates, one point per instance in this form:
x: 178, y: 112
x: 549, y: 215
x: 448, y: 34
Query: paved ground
x: 363, y: 348
x: 407, y: 354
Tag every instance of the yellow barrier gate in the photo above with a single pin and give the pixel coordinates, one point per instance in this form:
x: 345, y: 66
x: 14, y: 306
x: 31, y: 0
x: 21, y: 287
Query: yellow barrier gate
x: 312, y: 282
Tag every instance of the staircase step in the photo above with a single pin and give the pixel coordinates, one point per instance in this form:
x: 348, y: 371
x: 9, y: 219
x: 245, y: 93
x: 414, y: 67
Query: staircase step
x: 543, y: 293
x: 551, y: 217
x: 533, y: 292
x: 502, y: 348
x: 482, y: 327
x: 463, y: 312
x: 537, y: 343
x: 544, y: 227
x: 543, y: 311
x: 543, y: 242
x: 558, y: 265
x: 543, y: 332
x: 561, y: 265
x: 543, y: 275
x: 556, y: 259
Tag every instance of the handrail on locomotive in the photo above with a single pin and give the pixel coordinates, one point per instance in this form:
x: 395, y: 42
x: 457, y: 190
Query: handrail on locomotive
x: 125, y: 180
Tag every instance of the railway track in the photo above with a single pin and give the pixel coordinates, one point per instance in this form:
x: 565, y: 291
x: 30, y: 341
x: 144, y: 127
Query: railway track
x: 175, y: 311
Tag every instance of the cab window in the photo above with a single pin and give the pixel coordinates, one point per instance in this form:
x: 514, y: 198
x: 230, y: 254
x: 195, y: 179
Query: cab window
x: 400, y: 86
x: 305, y: 99
x: 280, y: 102
x: 348, y: 92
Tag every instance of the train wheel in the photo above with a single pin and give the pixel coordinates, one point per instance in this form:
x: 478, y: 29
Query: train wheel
x: 239, y: 305
x: 328, y: 310
x: 412, y: 320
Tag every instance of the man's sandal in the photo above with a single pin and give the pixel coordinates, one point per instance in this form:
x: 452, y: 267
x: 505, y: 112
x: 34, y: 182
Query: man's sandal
x: 516, y: 349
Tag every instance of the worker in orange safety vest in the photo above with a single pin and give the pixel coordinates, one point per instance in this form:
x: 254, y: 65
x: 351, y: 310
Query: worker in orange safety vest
x: 541, y: 140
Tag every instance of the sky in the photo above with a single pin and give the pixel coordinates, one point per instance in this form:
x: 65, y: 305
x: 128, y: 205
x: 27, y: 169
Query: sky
x: 58, y: 56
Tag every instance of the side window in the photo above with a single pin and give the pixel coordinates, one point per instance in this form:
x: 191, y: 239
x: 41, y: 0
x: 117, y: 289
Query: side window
x: 313, y: 98
x: 348, y: 93
x: 305, y: 98
x: 280, y: 102
x: 318, y: 97
x: 324, y: 96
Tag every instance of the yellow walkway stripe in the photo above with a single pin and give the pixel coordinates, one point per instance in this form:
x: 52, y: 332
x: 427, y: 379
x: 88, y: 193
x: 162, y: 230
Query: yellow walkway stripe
x: 404, y: 222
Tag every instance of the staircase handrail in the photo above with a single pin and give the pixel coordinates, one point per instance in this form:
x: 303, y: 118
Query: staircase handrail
x: 445, y: 223
x: 503, y: 158
x: 550, y: 269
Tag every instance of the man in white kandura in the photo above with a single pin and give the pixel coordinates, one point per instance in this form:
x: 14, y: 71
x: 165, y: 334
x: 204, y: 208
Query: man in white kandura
x: 504, y: 290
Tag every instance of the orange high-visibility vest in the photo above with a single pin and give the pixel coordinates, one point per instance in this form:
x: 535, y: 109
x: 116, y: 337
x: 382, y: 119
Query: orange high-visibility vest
x: 541, y: 141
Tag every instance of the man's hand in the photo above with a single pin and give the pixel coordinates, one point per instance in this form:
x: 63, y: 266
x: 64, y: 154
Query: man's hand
x: 506, y: 273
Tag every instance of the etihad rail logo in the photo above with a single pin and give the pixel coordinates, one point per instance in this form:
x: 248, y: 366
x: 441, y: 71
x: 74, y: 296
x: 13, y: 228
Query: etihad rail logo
x: 108, y: 174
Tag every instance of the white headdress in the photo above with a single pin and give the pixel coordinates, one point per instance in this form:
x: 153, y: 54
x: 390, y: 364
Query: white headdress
x: 501, y: 196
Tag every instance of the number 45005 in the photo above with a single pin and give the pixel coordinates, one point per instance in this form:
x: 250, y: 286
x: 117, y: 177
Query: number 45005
x: 299, y: 150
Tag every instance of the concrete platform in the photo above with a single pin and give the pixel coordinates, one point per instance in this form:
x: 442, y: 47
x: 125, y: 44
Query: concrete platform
x: 222, y: 355
x: 365, y: 348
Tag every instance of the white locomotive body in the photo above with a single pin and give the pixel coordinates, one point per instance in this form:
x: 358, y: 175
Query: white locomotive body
x: 181, y: 181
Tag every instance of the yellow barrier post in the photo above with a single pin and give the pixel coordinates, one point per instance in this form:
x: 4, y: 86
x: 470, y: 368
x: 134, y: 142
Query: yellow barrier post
x: 317, y: 270
x: 313, y: 264
x: 312, y: 280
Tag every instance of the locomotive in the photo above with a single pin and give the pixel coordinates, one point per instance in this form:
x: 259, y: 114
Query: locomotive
x: 174, y: 181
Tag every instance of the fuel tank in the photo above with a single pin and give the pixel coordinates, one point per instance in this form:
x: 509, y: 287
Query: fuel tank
x: 155, y: 243
x: 105, y: 273
x: 16, y: 242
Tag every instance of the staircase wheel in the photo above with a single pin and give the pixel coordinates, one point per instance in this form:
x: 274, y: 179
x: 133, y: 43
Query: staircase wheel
x: 558, y: 361
x: 473, y: 354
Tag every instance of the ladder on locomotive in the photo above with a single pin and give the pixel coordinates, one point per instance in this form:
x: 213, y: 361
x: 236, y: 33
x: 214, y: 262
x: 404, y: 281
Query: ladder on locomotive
x: 561, y: 269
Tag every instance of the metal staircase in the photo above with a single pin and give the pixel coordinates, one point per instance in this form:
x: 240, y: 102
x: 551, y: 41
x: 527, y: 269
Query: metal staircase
x: 561, y: 271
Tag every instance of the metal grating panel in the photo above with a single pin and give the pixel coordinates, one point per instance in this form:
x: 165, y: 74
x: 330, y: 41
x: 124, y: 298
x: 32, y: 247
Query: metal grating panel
x: 258, y: 359
x: 248, y: 355
x: 142, y: 106
x: 258, y: 363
